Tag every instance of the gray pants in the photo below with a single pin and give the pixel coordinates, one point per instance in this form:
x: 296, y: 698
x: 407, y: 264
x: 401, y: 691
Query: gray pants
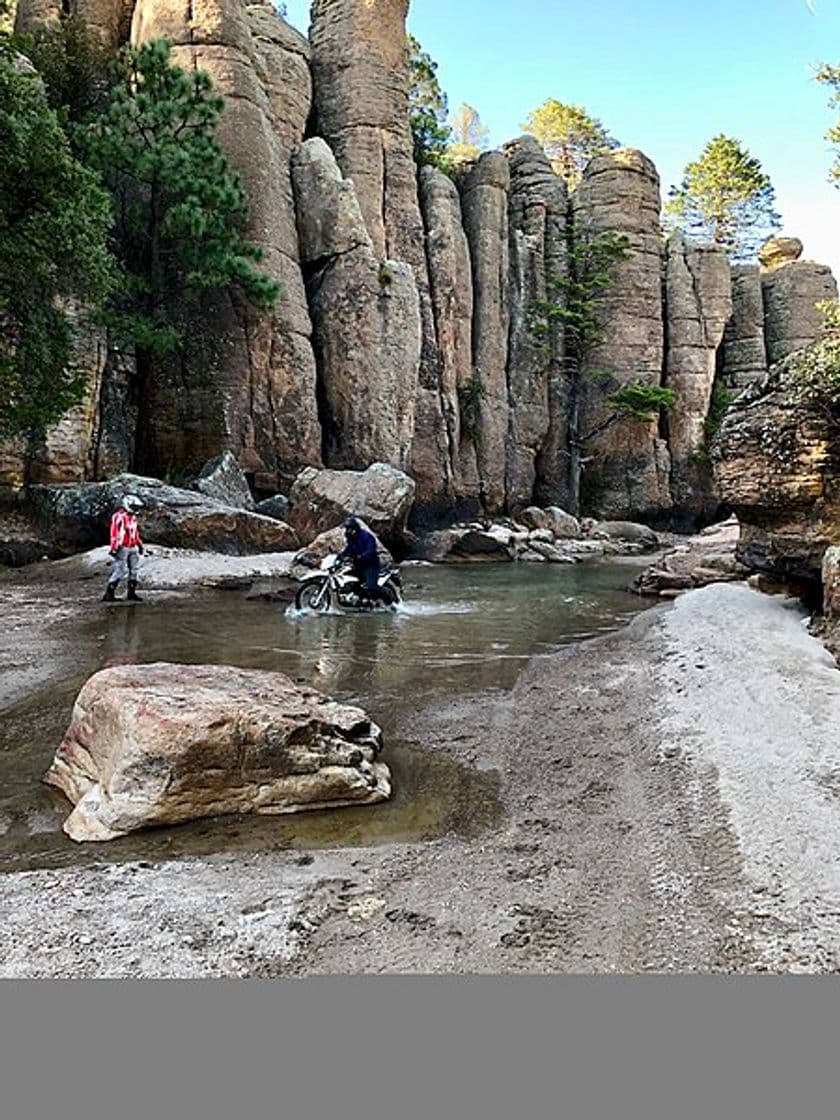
x: 126, y: 557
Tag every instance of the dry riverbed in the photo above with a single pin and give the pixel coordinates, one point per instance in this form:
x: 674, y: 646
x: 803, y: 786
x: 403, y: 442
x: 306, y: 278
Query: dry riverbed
x: 671, y: 798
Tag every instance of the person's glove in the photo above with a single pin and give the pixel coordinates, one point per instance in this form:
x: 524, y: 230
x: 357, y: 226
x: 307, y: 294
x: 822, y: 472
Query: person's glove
x: 141, y: 549
x: 114, y: 553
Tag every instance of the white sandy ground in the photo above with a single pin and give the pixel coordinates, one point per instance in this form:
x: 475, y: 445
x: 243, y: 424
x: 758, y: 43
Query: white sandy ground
x: 672, y: 803
x: 751, y: 694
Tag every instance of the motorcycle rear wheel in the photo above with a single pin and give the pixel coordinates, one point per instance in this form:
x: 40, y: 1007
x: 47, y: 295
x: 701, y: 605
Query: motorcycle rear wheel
x: 314, y: 596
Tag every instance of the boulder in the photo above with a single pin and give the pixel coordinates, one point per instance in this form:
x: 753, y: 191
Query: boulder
x: 780, y: 250
x: 162, y: 744
x: 625, y: 532
x: 381, y: 496
x: 550, y: 551
x: 224, y: 480
x: 560, y: 523
x: 77, y: 517
x: 706, y: 557
x: 276, y: 507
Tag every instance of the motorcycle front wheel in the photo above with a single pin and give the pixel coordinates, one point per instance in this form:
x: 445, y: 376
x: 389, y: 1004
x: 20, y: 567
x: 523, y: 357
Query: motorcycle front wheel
x: 314, y: 596
x: 389, y: 594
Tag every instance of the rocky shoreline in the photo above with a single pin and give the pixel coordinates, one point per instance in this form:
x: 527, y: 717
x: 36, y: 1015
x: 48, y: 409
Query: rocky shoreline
x: 640, y: 832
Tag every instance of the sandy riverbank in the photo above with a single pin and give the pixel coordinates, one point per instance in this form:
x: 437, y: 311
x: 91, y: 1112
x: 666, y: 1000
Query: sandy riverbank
x: 670, y: 796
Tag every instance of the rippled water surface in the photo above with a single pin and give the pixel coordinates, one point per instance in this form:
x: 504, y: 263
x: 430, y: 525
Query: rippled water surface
x: 461, y: 630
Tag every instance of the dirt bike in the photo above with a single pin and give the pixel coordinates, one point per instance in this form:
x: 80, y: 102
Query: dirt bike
x: 336, y: 581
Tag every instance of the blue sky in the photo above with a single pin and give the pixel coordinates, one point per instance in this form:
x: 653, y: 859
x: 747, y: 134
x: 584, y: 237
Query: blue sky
x: 663, y: 77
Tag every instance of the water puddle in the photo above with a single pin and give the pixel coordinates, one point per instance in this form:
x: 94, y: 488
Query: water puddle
x: 461, y: 631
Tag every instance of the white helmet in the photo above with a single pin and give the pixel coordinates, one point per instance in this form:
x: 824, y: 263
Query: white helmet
x: 131, y: 503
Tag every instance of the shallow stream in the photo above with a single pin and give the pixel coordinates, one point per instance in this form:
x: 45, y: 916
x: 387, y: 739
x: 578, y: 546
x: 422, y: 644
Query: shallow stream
x: 462, y: 630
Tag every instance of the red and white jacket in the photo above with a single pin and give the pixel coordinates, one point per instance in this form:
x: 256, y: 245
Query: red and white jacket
x: 125, y: 532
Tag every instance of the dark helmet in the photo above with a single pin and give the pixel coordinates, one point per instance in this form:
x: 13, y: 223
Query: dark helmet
x: 352, y: 526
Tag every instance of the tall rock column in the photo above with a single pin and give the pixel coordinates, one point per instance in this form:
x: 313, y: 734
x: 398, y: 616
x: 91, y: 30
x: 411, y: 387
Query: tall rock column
x: 698, y: 299
x: 629, y: 477
x: 248, y: 382
x: 440, y: 444
x: 537, y: 210
x: 367, y: 320
x: 791, y: 291
x: 485, y: 208
x: 743, y: 355
x: 109, y: 19
x: 361, y: 76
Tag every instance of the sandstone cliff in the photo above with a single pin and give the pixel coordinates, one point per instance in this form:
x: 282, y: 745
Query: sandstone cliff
x: 403, y: 332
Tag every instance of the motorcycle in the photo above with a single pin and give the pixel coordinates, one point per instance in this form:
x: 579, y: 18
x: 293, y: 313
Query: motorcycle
x: 336, y: 580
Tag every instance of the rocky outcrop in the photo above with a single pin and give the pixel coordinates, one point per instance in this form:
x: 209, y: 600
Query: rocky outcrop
x: 537, y: 389
x: 161, y: 744
x: 776, y: 460
x: 250, y: 385
x: 367, y: 320
x: 381, y: 496
x: 443, y: 459
x: 708, y: 557
x: 485, y: 208
x: 743, y: 358
x: 790, y: 292
x: 698, y: 300
x: 224, y: 480
x: 619, y: 194
x: 77, y: 517
x: 361, y: 79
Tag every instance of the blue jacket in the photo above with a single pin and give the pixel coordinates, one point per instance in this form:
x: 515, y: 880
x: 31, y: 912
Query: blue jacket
x: 361, y: 548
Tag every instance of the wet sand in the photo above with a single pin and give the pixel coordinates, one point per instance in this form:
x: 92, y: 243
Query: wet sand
x: 668, y: 803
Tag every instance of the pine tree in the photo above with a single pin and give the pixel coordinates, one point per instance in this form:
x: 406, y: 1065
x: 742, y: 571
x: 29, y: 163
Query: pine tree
x: 179, y: 207
x: 54, y: 220
x: 725, y: 197
x: 426, y: 106
x: 569, y: 136
x: 469, y: 137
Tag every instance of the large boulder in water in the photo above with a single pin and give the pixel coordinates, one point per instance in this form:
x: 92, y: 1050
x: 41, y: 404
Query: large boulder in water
x: 77, y: 517
x: 162, y: 744
x: 224, y: 480
x: 381, y: 496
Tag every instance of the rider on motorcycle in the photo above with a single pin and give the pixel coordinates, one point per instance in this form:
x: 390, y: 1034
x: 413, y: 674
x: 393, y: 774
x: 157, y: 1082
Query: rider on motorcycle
x: 363, y: 551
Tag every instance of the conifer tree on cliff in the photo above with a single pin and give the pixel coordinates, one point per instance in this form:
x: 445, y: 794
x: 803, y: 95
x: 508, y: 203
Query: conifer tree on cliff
x: 570, y: 137
x: 725, y: 197
x: 426, y: 106
x: 54, y: 221
x: 179, y: 207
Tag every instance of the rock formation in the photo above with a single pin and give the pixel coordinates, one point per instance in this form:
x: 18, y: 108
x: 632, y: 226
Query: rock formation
x: 381, y: 496
x: 251, y: 386
x: 402, y: 334
x: 698, y: 300
x: 485, y: 206
x: 790, y: 293
x: 619, y: 194
x: 775, y: 461
x: 162, y: 744
x: 537, y: 391
x: 78, y: 517
x: 367, y: 320
x: 744, y: 354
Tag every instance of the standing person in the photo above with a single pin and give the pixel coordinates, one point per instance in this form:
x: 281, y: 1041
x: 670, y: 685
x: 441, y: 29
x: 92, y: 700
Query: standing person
x: 126, y: 548
x: 362, y: 549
